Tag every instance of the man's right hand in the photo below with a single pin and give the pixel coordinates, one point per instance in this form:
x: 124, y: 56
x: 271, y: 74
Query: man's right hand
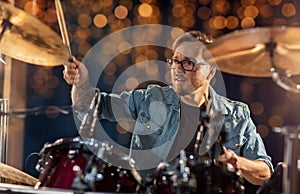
x: 75, y: 72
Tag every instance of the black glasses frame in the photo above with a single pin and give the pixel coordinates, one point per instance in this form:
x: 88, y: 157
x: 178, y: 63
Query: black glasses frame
x: 189, y: 66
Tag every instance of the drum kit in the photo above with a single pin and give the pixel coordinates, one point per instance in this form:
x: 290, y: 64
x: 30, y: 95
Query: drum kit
x: 68, y: 165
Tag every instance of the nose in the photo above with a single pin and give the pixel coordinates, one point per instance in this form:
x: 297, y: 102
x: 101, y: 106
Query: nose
x: 178, y: 68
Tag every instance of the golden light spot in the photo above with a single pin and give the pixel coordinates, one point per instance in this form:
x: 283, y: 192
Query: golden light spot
x: 84, y: 20
x: 275, y: 121
x: 240, y: 12
x: 178, y: 11
x: 247, y: 2
x: 100, y: 20
x: 32, y: 8
x: 84, y: 47
x: 232, y: 22
x: 131, y: 83
x: 188, y: 21
x: 204, y: 13
x: 82, y: 33
x: 251, y: 11
x: 219, y: 22
x: 263, y: 130
x: 288, y: 10
x: 121, y: 12
x: 274, y: 2
x: 247, y: 22
x: 51, y: 16
x: 257, y: 108
x: 110, y: 69
x: 145, y: 10
x: 266, y: 11
x: 124, y: 47
x: 221, y: 6
x: 152, y: 69
x: 140, y: 58
x: 106, y: 3
x: 151, y: 54
x: 204, y: 2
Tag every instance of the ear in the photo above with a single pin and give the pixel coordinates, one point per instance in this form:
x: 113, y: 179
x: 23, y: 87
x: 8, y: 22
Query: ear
x: 211, y: 74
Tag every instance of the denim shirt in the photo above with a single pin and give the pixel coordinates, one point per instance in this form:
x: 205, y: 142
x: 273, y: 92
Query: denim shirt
x: 156, y: 113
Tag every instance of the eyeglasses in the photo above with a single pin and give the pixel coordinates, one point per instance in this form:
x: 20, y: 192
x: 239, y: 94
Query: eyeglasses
x: 187, y: 65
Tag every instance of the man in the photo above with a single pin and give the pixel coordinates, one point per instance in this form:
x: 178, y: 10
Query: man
x: 181, y: 106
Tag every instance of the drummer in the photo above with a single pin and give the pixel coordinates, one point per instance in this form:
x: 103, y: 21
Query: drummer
x: 184, y: 103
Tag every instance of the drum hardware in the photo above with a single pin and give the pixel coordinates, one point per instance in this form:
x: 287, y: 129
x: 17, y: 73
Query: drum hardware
x: 85, y: 171
x: 3, y: 129
x: 290, y: 175
x: 274, y: 184
x: 21, y: 38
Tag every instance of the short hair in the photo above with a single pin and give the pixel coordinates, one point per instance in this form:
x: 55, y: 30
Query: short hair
x: 190, y: 36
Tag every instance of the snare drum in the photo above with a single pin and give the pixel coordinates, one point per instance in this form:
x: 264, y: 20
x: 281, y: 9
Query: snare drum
x: 70, y: 164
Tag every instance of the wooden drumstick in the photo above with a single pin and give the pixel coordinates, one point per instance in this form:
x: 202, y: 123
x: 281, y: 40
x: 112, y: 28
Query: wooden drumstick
x: 62, y: 25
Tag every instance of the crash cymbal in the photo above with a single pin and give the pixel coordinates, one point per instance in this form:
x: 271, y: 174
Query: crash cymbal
x: 27, y: 39
x: 14, y: 174
x: 246, y: 52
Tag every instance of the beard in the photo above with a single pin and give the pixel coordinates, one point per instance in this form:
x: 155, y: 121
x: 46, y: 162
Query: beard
x: 183, y: 90
x: 188, y: 87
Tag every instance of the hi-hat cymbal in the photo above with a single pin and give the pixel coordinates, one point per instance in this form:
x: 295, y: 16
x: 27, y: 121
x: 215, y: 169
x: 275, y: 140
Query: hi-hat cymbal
x: 27, y: 39
x: 14, y: 174
x: 246, y: 52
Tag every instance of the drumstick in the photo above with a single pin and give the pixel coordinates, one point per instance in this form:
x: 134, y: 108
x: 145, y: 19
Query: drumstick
x: 62, y: 25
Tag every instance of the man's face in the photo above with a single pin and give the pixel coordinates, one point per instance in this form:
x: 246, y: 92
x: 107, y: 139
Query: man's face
x: 185, y: 82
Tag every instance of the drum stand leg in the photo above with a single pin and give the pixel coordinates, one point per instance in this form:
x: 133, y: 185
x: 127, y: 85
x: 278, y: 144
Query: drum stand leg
x: 3, y: 130
x: 290, y: 174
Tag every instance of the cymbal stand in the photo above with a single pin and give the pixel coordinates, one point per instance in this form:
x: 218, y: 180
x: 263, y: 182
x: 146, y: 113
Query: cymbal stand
x: 3, y: 130
x: 280, y: 76
x: 291, y: 154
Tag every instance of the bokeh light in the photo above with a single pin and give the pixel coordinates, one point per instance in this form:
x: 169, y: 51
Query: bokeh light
x: 145, y: 10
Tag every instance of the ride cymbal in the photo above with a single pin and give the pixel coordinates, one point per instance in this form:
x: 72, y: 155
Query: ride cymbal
x: 14, y: 174
x: 26, y: 38
x: 247, y: 52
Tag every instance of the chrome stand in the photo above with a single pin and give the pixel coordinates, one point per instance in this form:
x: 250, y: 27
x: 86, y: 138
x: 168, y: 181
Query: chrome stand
x: 290, y: 178
x: 3, y: 129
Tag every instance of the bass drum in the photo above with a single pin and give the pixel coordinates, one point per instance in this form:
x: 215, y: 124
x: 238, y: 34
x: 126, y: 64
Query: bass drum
x: 70, y: 164
x: 204, y: 177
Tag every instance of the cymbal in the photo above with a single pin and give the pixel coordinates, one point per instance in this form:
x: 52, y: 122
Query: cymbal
x: 14, y: 174
x: 246, y: 52
x: 28, y: 39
